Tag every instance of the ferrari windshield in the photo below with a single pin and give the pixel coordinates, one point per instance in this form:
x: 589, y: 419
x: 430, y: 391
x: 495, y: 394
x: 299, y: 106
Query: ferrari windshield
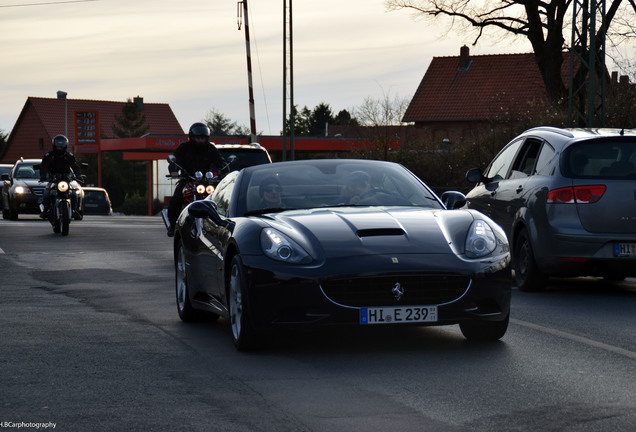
x: 331, y: 183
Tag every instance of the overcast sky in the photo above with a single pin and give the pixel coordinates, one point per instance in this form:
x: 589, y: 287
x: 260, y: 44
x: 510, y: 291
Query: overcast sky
x: 191, y: 55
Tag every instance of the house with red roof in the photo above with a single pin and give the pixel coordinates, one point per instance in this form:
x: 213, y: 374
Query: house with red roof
x: 43, y: 118
x: 459, y: 96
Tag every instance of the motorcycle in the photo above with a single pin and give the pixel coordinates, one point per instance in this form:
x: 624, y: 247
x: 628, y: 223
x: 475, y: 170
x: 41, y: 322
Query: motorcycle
x: 62, y: 187
x: 197, y: 187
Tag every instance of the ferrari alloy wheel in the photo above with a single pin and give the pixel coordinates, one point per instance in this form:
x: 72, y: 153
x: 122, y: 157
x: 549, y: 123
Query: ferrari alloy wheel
x: 528, y: 277
x: 243, y: 333
x: 484, y: 330
x: 184, y: 307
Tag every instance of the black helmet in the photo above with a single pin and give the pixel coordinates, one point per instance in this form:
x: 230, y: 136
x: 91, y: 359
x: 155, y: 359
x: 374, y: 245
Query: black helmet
x: 199, y: 129
x: 60, y: 143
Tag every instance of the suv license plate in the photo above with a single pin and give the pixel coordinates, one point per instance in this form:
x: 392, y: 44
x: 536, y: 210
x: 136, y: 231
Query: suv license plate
x: 625, y: 249
x: 398, y: 315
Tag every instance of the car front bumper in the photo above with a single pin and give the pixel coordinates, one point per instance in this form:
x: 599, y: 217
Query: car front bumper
x: 303, y: 296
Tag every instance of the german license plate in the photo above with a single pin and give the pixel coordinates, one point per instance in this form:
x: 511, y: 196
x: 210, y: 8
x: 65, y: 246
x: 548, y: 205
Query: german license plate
x: 625, y: 249
x: 398, y: 315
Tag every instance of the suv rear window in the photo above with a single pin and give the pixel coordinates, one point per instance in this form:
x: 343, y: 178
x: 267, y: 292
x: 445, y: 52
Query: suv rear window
x: 596, y: 159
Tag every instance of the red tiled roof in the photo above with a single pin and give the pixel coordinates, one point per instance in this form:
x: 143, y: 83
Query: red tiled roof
x: 159, y: 117
x: 490, y: 83
x: 43, y: 118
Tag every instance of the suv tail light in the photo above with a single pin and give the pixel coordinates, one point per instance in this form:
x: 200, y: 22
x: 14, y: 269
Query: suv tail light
x: 577, y: 194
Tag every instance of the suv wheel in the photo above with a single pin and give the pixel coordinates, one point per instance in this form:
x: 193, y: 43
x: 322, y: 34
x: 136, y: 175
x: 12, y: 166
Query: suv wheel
x: 528, y: 277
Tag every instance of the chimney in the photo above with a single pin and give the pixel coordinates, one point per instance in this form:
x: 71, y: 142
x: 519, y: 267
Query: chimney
x: 61, y: 94
x: 139, y: 101
x: 464, y: 58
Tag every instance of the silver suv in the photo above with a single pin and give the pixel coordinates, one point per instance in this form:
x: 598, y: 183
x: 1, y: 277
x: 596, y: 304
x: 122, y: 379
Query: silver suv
x: 567, y: 201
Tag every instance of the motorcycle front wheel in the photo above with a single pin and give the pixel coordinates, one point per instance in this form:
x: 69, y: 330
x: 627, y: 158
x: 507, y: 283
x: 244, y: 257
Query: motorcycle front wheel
x: 65, y: 217
x: 54, y: 218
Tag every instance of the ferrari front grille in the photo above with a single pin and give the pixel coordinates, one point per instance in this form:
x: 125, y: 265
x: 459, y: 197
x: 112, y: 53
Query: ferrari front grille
x: 420, y: 289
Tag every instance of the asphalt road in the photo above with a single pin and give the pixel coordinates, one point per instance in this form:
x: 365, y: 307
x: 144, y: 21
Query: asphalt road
x: 90, y: 340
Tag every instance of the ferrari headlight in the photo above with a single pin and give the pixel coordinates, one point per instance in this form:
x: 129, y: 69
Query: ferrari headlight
x: 62, y: 186
x: 19, y: 190
x: 278, y: 246
x: 200, y: 189
x: 481, y: 240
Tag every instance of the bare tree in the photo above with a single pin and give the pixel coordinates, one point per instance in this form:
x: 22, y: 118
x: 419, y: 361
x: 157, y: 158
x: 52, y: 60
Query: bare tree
x: 542, y: 23
x: 385, y: 111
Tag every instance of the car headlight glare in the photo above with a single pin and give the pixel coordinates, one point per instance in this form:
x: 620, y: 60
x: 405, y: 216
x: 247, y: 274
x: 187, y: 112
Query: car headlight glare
x: 481, y: 240
x: 62, y: 186
x: 278, y: 246
x: 19, y: 190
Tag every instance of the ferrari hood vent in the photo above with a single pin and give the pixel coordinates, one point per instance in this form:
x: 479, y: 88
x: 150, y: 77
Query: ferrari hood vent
x: 375, y: 232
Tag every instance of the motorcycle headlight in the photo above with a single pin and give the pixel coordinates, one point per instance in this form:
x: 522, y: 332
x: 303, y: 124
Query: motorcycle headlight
x: 209, y: 189
x: 62, y: 186
x: 480, y: 240
x: 200, y: 189
x: 19, y: 190
x: 278, y: 246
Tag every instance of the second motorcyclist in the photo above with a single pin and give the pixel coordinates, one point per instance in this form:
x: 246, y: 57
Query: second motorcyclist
x: 58, y: 161
x: 196, y: 154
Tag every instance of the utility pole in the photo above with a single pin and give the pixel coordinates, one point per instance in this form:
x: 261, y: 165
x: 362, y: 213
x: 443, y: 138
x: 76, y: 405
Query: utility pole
x: 288, y: 26
x: 586, y: 93
x: 243, y: 13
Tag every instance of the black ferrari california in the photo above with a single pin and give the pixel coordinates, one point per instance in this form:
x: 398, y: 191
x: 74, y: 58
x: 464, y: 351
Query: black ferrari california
x: 356, y: 242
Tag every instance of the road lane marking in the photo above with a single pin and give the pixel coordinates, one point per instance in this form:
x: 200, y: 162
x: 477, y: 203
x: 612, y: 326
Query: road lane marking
x: 576, y: 338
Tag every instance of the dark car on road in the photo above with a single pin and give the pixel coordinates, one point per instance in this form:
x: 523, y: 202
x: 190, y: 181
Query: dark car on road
x: 347, y: 242
x: 96, y: 201
x: 4, y: 169
x: 21, y: 189
x: 567, y: 201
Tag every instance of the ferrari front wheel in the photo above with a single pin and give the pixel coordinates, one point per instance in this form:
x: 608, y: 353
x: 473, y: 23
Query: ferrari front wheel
x: 186, y: 312
x: 243, y: 332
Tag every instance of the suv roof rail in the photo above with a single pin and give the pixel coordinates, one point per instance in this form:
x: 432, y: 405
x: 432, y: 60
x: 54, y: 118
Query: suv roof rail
x: 556, y: 130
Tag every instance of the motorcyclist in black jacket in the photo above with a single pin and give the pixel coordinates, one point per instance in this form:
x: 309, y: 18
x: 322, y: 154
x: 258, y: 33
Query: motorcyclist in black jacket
x: 58, y: 161
x: 196, y: 154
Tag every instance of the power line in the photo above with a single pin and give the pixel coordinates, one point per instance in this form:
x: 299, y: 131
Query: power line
x: 47, y: 3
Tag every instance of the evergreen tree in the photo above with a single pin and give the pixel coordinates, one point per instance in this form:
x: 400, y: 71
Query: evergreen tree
x: 344, y: 119
x: 222, y: 126
x: 321, y: 116
x: 125, y: 179
x: 131, y: 122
